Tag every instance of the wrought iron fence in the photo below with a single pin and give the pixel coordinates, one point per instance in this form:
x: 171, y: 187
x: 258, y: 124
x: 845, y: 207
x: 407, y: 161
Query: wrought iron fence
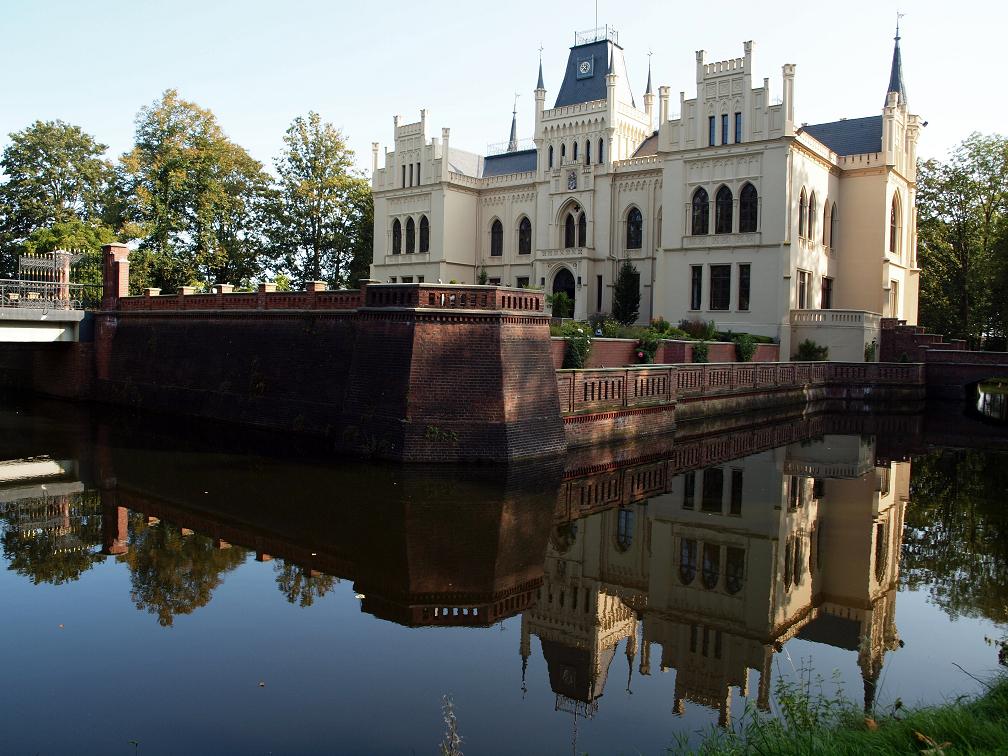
x: 48, y: 295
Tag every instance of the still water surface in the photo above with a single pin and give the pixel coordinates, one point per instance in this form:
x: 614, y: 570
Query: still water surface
x: 181, y: 594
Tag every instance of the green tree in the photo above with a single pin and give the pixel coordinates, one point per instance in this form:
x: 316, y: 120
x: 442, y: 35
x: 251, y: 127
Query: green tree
x: 194, y: 196
x: 961, y: 208
x: 300, y: 586
x: 56, y: 178
x: 626, y: 295
x: 320, y: 213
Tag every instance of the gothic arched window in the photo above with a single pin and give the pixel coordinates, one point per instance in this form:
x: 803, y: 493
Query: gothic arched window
x: 396, y: 237
x: 894, y: 225
x: 582, y: 230
x: 834, y: 217
x: 410, y: 236
x: 802, y: 209
x: 701, y: 213
x: 549, y: 156
x: 634, y: 229
x: 575, y: 151
x: 600, y: 147
x: 587, y: 152
x: 687, y: 560
x: 810, y: 218
x: 525, y: 237
x: 734, y: 569
x: 723, y: 201
x: 496, y: 239
x: 563, y: 152
x: 424, y: 235
x: 711, y: 566
x: 825, y: 223
x: 748, y: 209
x: 570, y: 238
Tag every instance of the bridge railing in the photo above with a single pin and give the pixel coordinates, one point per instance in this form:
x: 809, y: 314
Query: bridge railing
x: 48, y: 295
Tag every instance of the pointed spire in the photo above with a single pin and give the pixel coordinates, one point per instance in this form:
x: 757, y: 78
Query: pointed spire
x: 648, y: 90
x: 540, y: 84
x: 513, y: 141
x: 896, y: 74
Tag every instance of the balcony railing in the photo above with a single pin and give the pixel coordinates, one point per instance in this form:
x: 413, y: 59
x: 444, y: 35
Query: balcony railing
x: 48, y: 295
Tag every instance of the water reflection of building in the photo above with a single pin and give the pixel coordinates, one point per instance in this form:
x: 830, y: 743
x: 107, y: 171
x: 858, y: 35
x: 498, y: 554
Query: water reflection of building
x: 722, y: 567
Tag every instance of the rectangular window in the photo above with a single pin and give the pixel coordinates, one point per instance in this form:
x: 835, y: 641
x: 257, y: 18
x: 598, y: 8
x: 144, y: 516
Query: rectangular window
x: 696, y: 286
x: 598, y: 293
x: 411, y: 174
x: 735, y: 508
x: 894, y: 299
x: 404, y: 176
x: 689, y: 485
x: 418, y: 174
x: 743, y: 286
x: 738, y: 128
x: 713, y: 489
x: 724, y: 128
x: 407, y: 279
x: 523, y: 282
x: 494, y: 282
x: 391, y: 279
x: 826, y: 302
x: 720, y: 287
x: 710, y: 129
x: 803, y: 289
x: 419, y: 279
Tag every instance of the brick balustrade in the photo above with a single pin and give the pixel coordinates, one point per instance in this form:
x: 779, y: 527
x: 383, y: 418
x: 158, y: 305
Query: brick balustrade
x: 344, y: 299
x: 455, y: 296
x: 609, y: 389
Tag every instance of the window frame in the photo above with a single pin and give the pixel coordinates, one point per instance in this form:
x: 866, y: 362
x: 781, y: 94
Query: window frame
x: 724, y: 206
x: 748, y: 208
x: 719, y: 276
x: 700, y: 212
x: 696, y: 287
x: 524, y: 240
x: 745, y: 275
x: 634, y: 228
x: 496, y: 238
x: 424, y: 240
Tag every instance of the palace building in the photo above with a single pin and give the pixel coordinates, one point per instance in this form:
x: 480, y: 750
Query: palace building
x: 729, y: 208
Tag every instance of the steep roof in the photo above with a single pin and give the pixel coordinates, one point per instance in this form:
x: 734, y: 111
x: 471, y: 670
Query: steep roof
x: 510, y: 162
x: 896, y: 72
x: 591, y: 87
x: 648, y: 147
x: 852, y: 136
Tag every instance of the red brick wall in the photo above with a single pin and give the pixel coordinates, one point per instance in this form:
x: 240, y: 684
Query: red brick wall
x: 620, y: 352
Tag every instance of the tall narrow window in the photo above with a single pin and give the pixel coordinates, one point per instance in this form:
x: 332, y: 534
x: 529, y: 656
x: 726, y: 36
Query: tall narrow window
x: 404, y: 176
x: 563, y: 152
x: 834, y: 218
x: 396, y: 237
x: 525, y: 237
x: 634, y: 229
x: 587, y: 152
x: 710, y: 131
x: 689, y: 485
x: 743, y: 286
x: 410, y: 236
x: 826, y: 301
x: 810, y: 218
x: 496, y: 239
x: 598, y: 293
x: 802, y: 209
x: 738, y: 128
x: 582, y: 230
x: 701, y: 212
x: 724, y: 128
x: 748, y: 207
x: 411, y: 174
x: 720, y: 287
x: 711, y: 569
x: 723, y: 211
x: 804, y: 277
x: 713, y: 490
x: 881, y: 552
x: 825, y: 223
x: 575, y: 151
x: 424, y: 235
x: 549, y: 157
x: 418, y: 174
x: 624, y: 528
x: 894, y: 299
x: 734, y: 569
x: 570, y: 239
x: 600, y: 150
x: 894, y: 226
x: 687, y: 560
x: 696, y: 286
x: 735, y: 508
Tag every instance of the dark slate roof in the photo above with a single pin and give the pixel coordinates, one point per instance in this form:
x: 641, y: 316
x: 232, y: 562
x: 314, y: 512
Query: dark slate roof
x: 510, y: 162
x: 575, y: 90
x: 853, y: 136
x: 838, y: 632
x: 896, y: 73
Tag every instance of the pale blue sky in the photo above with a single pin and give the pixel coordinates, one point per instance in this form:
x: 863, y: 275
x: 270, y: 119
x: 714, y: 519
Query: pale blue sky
x: 259, y: 64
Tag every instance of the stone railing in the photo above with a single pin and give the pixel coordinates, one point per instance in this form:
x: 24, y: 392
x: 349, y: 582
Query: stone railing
x: 608, y: 389
x: 455, y: 296
x: 636, y: 163
x: 224, y: 299
x: 851, y: 318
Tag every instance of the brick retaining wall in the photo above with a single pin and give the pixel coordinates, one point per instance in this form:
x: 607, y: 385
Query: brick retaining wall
x: 619, y: 352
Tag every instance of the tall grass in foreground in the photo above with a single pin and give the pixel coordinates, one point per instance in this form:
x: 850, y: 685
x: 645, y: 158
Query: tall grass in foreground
x: 812, y: 722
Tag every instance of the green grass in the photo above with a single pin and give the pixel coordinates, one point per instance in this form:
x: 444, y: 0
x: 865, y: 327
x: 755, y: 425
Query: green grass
x: 963, y: 726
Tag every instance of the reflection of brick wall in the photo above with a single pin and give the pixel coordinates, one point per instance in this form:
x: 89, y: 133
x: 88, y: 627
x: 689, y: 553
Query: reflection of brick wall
x: 61, y: 369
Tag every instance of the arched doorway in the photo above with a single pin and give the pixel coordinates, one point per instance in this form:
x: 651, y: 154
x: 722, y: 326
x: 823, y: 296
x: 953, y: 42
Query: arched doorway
x: 563, y: 281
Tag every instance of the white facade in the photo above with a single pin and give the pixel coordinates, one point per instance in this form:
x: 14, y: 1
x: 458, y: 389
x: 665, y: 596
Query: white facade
x: 808, y: 223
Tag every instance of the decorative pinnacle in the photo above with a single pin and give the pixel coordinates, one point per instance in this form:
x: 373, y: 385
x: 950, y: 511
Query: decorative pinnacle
x: 648, y: 90
x: 540, y: 84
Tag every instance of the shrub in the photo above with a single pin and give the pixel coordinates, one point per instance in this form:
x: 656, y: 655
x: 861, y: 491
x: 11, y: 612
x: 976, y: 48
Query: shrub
x: 577, y: 347
x: 699, y: 329
x: 809, y: 351
x: 596, y: 320
x: 647, y: 346
x: 870, y: 350
x: 562, y: 304
x: 745, y: 347
x: 483, y: 278
x: 661, y: 326
x: 700, y: 352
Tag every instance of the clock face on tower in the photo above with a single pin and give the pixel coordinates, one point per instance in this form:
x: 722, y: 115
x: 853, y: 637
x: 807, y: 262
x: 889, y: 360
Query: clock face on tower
x: 586, y: 67
x: 572, y: 180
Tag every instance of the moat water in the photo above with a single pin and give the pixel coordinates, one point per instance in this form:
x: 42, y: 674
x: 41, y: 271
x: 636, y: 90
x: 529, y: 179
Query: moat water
x: 168, y: 593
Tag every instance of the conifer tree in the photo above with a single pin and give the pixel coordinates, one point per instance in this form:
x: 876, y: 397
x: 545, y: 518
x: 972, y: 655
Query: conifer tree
x: 626, y: 294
